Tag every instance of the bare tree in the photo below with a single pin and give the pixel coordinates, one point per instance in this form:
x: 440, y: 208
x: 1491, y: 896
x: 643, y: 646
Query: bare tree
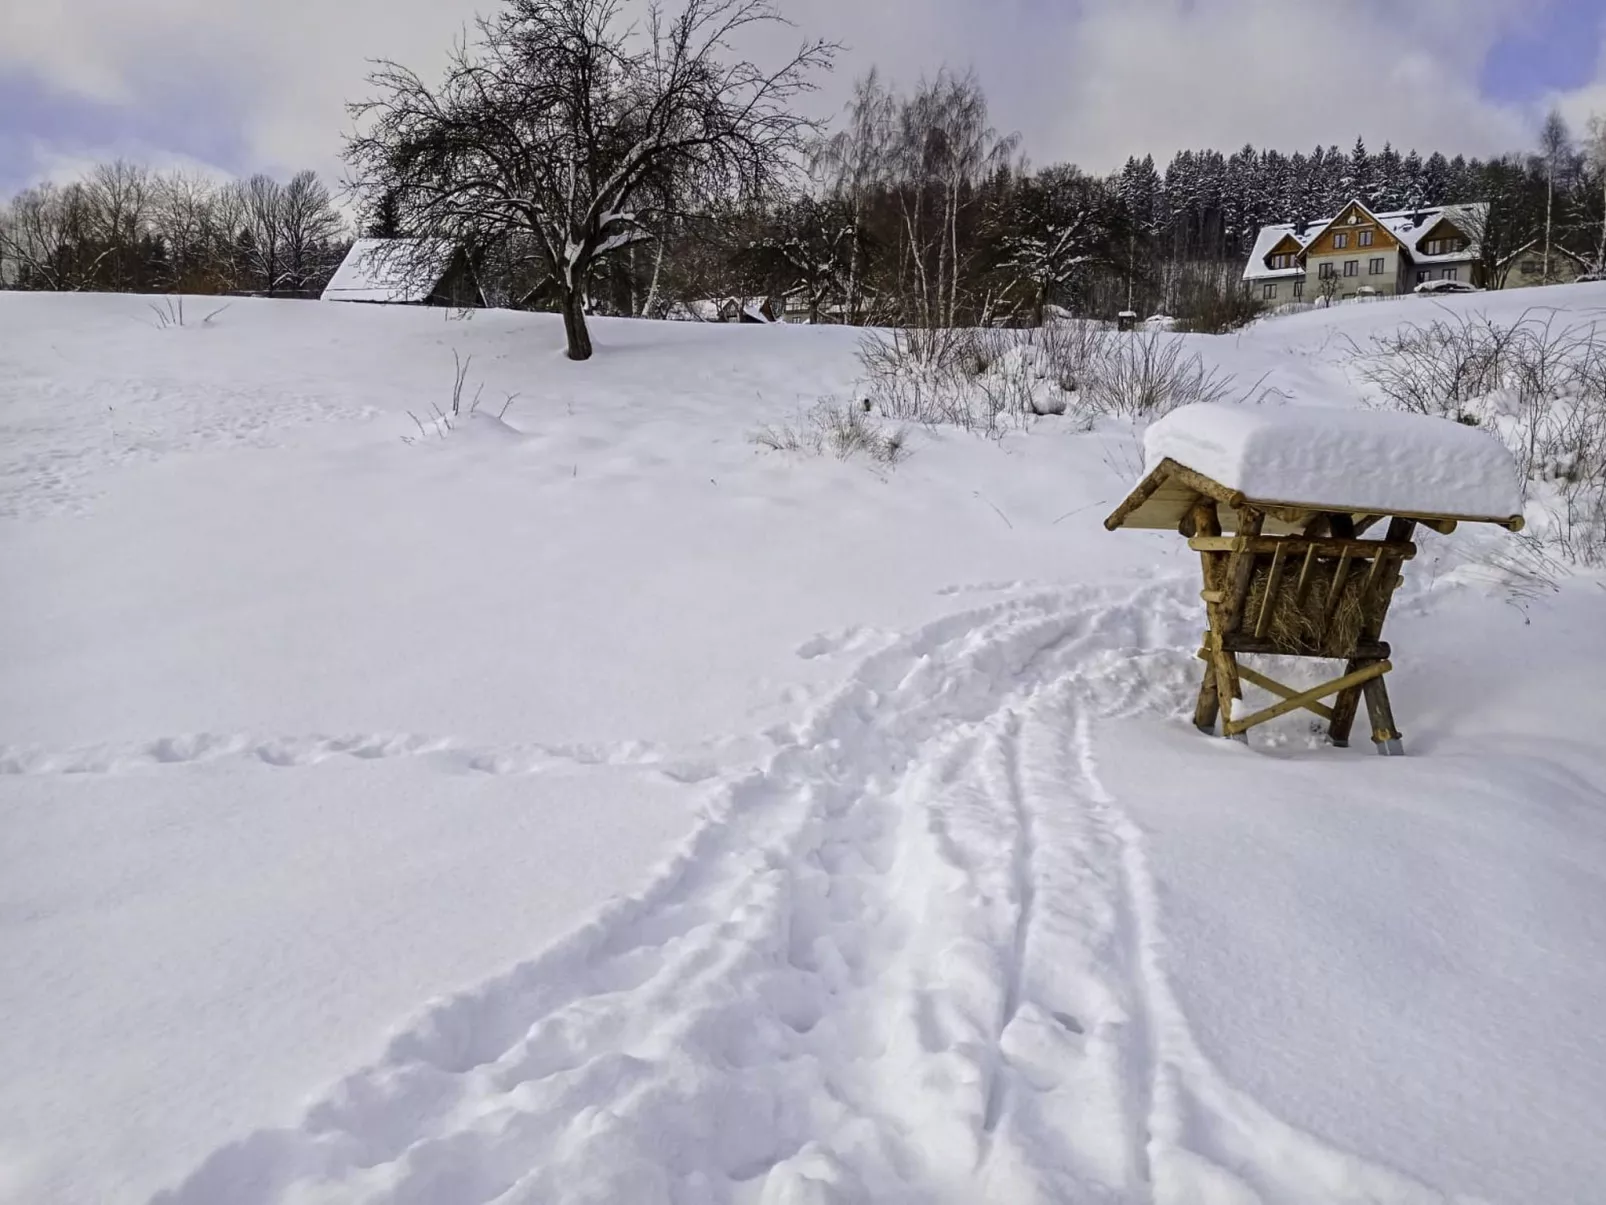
x: 853, y: 164
x: 942, y: 148
x: 182, y: 216
x: 47, y: 238
x: 309, y: 228
x: 262, y: 229
x: 1595, y: 159
x: 563, y: 125
x: 1555, y: 146
x: 118, y: 196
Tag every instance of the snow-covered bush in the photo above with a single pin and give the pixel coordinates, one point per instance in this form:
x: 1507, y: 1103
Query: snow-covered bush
x: 841, y: 429
x: 986, y: 379
x: 1539, y: 384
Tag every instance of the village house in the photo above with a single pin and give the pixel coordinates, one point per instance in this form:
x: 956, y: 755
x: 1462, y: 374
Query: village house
x: 1362, y: 254
x: 1526, y: 266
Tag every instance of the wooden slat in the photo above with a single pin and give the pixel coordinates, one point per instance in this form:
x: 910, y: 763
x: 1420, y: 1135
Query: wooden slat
x: 1304, y: 575
x: 1273, y: 579
x: 1340, y: 576
x: 1294, y: 702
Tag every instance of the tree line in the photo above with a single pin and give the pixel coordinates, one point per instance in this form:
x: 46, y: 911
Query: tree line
x: 125, y: 228
x: 591, y: 166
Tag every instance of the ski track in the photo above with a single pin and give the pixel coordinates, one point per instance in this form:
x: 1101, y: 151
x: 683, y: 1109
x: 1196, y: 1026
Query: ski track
x: 289, y: 752
x: 916, y: 956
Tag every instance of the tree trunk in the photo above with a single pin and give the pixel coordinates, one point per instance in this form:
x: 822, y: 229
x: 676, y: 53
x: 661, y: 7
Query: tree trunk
x: 574, y: 325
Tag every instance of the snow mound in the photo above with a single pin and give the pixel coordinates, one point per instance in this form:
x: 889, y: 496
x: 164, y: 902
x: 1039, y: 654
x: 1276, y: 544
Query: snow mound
x: 1330, y: 457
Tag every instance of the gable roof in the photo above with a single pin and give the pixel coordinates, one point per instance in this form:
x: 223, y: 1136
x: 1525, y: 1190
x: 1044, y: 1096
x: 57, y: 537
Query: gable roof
x: 398, y: 270
x: 1409, y: 226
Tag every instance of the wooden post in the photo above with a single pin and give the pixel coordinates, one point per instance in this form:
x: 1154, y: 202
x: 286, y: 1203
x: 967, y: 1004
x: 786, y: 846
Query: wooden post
x: 1377, y: 609
x: 1205, y: 522
x: 1239, y: 569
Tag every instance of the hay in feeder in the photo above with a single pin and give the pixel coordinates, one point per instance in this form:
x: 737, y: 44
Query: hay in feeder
x: 1301, y: 623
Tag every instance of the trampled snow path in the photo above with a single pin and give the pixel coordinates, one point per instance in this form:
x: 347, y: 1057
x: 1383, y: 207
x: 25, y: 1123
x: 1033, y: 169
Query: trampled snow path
x: 917, y: 956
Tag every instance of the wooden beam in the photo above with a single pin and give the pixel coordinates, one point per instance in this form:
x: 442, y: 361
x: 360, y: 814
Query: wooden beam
x: 1296, y: 545
x: 1367, y: 650
x: 1296, y: 701
x: 1166, y: 471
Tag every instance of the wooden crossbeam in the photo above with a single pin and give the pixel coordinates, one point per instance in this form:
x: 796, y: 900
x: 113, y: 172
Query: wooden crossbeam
x: 1294, y: 702
x: 1272, y: 686
x: 1298, y: 545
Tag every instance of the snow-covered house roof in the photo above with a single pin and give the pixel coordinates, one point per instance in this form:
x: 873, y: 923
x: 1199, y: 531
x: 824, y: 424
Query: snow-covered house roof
x: 1266, y: 242
x: 1410, y: 226
x: 399, y: 271
x: 1321, y: 459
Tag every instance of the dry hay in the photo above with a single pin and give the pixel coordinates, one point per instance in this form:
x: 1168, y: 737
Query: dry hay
x: 1300, y: 627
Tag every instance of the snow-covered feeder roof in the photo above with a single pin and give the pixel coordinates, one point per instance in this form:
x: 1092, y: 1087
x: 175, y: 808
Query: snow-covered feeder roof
x: 1290, y: 462
x: 400, y: 271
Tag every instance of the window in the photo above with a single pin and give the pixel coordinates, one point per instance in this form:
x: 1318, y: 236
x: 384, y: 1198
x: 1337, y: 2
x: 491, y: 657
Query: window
x: 1365, y: 239
x: 1531, y: 267
x: 1269, y: 292
x: 1375, y: 268
x: 1450, y: 273
x: 1327, y: 270
x: 1434, y: 245
x: 1352, y: 267
x: 1423, y: 275
x: 1299, y: 289
x: 1340, y: 241
x: 1282, y: 261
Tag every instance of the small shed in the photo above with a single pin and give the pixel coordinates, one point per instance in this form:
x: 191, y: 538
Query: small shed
x: 404, y: 271
x: 1277, y: 501
x: 1126, y: 320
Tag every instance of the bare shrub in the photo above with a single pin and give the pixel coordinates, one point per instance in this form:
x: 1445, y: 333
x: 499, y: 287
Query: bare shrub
x: 1538, y: 384
x: 842, y: 430
x: 1145, y: 374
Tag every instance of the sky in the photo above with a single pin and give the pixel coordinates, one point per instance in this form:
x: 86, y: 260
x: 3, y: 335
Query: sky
x: 236, y: 86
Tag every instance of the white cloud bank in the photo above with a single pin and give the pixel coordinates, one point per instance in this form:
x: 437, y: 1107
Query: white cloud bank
x: 1087, y: 80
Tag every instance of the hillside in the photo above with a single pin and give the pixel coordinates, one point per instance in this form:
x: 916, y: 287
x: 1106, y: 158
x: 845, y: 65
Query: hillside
x: 587, y: 802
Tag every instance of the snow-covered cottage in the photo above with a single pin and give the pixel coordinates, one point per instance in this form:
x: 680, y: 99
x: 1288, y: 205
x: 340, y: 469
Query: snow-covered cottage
x: 730, y: 309
x: 1364, y: 253
x: 1526, y: 266
x: 404, y: 271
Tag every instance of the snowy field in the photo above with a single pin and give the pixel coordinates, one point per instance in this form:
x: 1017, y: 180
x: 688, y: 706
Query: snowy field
x: 589, y: 805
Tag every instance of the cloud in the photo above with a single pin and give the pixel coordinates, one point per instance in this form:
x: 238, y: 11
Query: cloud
x: 254, y: 85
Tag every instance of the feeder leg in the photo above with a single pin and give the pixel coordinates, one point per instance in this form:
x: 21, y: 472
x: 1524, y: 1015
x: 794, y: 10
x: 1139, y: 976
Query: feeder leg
x: 1344, y: 708
x: 1384, y: 734
x: 1208, y: 707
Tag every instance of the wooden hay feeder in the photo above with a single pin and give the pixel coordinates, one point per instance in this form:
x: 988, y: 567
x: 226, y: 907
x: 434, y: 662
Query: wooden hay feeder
x: 1298, y: 579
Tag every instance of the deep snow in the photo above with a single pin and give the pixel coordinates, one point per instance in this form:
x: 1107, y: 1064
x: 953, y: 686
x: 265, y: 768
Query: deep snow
x: 589, y: 805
